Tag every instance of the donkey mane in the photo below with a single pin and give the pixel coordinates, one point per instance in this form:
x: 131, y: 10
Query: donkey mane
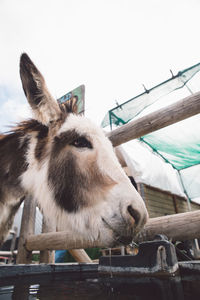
x: 32, y: 125
x: 23, y: 128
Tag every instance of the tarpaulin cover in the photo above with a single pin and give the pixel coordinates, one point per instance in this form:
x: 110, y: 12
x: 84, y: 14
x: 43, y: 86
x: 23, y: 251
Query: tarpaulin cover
x: 147, y: 167
x: 177, y: 144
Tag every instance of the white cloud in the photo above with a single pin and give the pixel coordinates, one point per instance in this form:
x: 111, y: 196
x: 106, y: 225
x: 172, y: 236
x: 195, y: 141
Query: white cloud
x: 110, y: 46
x: 13, y: 110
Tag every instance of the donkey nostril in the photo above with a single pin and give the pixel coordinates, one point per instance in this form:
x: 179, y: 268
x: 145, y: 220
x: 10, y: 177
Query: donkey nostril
x: 134, y: 213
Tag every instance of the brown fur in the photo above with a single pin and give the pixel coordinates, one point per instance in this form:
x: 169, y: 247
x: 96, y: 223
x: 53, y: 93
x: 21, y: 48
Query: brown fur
x: 12, y: 145
x: 64, y: 167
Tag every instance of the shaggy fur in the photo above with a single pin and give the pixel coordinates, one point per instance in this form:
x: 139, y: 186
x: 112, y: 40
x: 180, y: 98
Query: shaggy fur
x: 66, y: 163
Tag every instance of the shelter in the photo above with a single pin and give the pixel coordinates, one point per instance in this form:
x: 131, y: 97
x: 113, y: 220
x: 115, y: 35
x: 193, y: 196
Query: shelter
x: 167, y: 159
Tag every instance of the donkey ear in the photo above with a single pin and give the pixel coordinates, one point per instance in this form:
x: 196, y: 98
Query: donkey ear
x: 45, y: 108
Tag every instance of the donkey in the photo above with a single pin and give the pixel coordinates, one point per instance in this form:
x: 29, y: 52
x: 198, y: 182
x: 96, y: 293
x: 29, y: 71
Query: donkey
x: 68, y: 165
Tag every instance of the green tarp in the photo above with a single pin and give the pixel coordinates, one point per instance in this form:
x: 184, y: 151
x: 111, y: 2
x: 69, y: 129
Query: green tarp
x: 177, y: 144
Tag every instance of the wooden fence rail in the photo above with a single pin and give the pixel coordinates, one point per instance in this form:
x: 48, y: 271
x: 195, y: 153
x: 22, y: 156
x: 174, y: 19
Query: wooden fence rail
x: 184, y: 226
x: 181, y: 227
x: 161, y: 118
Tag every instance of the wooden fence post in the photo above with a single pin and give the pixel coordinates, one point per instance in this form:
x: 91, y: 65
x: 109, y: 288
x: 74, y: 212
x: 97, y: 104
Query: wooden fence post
x: 27, y: 227
x: 47, y: 256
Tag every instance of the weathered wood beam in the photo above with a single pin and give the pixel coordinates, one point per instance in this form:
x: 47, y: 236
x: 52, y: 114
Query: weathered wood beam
x: 57, y: 241
x: 80, y: 256
x: 48, y: 256
x: 171, y: 114
x: 184, y: 226
x: 27, y: 227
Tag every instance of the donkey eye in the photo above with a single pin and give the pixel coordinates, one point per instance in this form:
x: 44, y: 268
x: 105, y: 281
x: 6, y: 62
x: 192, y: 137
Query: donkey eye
x: 82, y: 142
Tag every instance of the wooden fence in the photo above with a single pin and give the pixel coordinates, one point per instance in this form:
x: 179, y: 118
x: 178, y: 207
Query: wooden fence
x: 187, y: 224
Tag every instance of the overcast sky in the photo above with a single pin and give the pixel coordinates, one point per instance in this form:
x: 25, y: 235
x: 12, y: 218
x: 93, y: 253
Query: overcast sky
x: 111, y: 46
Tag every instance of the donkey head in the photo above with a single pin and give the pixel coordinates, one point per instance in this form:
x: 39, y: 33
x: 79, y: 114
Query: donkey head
x: 73, y: 172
